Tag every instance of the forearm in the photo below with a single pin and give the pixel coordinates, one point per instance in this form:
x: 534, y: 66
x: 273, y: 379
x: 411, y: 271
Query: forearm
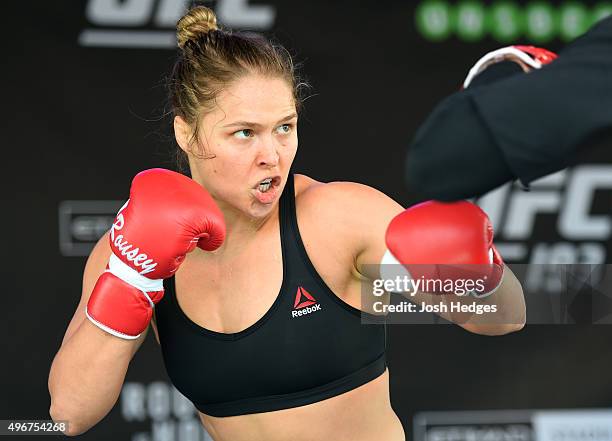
x: 510, y: 311
x: 503, y: 311
x: 540, y: 120
x: 86, y: 376
x: 445, y: 159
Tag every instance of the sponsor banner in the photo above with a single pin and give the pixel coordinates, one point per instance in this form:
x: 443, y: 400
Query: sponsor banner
x: 514, y: 425
x: 507, y: 21
x: 151, y: 24
x: 563, y: 425
x: 82, y: 223
x: 164, y: 412
x: 486, y: 425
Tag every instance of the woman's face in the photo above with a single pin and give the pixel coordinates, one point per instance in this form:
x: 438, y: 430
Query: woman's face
x: 248, y: 142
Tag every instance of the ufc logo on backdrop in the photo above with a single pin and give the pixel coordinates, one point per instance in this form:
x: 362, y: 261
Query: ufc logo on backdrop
x: 151, y: 23
x: 567, y: 198
x: 570, y: 229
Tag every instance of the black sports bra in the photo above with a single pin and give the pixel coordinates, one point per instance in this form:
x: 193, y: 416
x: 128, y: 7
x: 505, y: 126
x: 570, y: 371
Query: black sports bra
x: 309, y: 346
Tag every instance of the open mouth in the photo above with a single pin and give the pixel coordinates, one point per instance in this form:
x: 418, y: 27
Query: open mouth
x: 267, y: 190
x: 268, y: 183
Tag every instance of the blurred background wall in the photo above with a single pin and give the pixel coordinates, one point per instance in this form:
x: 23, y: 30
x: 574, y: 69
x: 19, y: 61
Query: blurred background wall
x: 85, y: 109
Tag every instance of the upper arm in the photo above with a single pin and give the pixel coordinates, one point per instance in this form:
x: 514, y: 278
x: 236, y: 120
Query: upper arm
x: 95, y: 266
x: 362, y: 214
x: 374, y: 211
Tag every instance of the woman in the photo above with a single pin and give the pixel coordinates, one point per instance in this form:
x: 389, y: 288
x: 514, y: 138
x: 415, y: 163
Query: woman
x: 260, y: 327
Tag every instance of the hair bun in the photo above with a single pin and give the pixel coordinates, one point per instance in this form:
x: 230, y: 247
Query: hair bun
x: 197, y: 22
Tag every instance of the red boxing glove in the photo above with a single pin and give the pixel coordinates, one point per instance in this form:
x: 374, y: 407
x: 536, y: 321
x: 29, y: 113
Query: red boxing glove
x: 528, y: 57
x: 166, y: 217
x: 444, y: 242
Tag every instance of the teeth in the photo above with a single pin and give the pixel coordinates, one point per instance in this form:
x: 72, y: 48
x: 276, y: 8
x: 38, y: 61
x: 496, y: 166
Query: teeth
x: 265, y: 185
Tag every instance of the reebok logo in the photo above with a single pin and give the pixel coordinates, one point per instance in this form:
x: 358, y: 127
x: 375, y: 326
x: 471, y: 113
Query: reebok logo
x: 304, y: 303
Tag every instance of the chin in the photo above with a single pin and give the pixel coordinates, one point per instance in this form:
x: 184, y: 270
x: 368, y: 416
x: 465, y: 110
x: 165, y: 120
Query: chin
x: 259, y: 211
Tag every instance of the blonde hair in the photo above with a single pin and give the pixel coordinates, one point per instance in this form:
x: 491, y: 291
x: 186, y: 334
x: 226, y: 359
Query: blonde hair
x: 212, y: 58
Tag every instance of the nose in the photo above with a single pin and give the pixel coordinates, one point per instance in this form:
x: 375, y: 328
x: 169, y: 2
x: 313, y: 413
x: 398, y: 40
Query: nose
x: 268, y: 153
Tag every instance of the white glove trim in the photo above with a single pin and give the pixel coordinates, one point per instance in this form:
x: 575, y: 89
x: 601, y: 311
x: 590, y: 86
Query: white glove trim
x: 110, y: 330
x: 390, y: 268
x: 497, y: 56
x: 131, y: 276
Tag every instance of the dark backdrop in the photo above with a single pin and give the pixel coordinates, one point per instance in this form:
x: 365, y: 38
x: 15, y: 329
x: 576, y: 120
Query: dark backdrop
x: 84, y: 110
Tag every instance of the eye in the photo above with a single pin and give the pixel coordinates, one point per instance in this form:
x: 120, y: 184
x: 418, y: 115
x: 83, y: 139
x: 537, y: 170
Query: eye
x: 284, y: 129
x: 244, y: 134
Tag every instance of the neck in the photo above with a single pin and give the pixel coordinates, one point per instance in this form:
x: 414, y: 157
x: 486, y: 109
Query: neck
x: 242, y: 229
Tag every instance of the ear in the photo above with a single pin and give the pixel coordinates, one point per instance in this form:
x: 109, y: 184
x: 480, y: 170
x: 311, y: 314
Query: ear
x: 182, y: 133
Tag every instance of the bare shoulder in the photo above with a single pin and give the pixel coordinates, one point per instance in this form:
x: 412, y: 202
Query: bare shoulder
x: 343, y: 198
x: 304, y: 183
x: 352, y: 215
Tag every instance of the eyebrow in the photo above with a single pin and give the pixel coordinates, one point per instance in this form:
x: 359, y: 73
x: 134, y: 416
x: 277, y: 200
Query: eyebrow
x: 254, y: 124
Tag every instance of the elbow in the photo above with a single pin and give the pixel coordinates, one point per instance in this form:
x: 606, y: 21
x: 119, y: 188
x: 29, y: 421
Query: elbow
x: 507, y: 329
x: 494, y: 330
x: 61, y: 414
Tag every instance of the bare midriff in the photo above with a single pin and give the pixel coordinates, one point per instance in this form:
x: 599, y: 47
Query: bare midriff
x: 362, y: 414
